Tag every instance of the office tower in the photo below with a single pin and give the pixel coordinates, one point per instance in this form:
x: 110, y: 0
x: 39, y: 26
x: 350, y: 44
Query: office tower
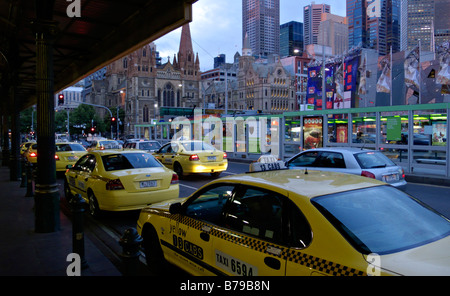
x: 291, y: 39
x: 219, y: 60
x: 311, y: 19
x: 261, y: 21
x: 333, y: 32
x: 374, y: 24
x: 429, y: 22
x: 442, y: 21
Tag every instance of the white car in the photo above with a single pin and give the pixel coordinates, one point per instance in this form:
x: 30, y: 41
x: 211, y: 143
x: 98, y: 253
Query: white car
x: 368, y: 163
x: 149, y: 146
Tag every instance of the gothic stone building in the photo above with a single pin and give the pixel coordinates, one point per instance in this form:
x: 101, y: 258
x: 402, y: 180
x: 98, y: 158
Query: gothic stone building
x: 147, y: 89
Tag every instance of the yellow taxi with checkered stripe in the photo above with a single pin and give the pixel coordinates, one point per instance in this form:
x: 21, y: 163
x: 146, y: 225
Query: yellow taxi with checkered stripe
x: 111, y: 180
x: 191, y: 157
x: 296, y: 222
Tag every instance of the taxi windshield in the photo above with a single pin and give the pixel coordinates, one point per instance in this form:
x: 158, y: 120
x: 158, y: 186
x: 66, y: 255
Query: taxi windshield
x: 382, y: 219
x: 115, y: 162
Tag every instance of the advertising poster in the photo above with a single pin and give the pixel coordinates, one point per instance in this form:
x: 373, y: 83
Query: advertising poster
x: 351, y: 73
x: 439, y: 136
x: 312, y: 132
x: 314, y: 85
x: 341, y: 133
x: 330, y: 85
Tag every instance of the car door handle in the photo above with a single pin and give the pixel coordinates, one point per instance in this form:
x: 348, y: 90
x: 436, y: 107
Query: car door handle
x: 272, y: 263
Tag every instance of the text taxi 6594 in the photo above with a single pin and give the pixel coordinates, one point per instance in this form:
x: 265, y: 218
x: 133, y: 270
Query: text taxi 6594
x: 297, y: 222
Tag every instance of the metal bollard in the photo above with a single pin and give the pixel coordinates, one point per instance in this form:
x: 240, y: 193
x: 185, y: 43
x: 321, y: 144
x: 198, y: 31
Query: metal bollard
x: 78, y: 205
x: 29, y: 169
x: 23, y: 181
x: 130, y: 242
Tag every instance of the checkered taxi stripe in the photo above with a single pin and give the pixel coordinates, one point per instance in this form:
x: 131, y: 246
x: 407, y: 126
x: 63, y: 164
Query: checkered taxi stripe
x: 309, y: 261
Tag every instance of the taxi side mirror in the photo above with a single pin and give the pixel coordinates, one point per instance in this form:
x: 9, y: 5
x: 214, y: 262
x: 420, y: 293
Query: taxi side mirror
x: 175, y: 208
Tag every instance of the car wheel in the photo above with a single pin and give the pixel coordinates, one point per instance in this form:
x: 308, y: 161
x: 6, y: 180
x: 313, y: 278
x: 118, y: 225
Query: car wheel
x: 178, y: 169
x: 154, y: 255
x: 94, y: 209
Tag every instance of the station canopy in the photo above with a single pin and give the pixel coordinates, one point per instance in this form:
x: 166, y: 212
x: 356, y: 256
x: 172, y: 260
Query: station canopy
x: 105, y: 31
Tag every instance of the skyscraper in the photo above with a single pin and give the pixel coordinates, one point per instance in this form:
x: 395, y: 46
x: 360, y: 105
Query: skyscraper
x: 261, y: 21
x: 291, y: 39
x: 374, y: 24
x: 311, y: 20
x: 429, y: 22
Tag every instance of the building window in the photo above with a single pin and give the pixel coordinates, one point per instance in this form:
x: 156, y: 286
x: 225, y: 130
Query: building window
x: 168, y: 96
x: 145, y: 114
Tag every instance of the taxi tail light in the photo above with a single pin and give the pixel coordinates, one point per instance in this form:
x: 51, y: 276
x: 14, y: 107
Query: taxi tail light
x: 224, y: 155
x: 367, y: 174
x: 193, y: 157
x: 33, y: 154
x: 174, y: 179
x: 56, y: 157
x: 114, y: 185
x: 403, y: 173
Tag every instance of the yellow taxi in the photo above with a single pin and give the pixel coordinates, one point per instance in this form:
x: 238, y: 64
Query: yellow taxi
x: 296, y: 222
x: 25, y: 145
x: 30, y: 154
x: 110, y: 180
x: 188, y: 157
x: 104, y: 144
x: 67, y: 153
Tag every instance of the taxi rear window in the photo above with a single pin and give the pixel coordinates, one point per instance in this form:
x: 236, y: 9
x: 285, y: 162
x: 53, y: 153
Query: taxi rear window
x: 126, y: 161
x: 69, y: 147
x: 382, y: 219
x: 195, y: 146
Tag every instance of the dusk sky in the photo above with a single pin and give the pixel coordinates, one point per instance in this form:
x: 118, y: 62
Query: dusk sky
x: 217, y: 28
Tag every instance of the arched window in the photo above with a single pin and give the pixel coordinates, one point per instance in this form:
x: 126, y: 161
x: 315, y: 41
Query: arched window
x: 168, y: 96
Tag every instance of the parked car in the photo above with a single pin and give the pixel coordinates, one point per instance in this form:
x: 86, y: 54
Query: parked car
x: 146, y: 145
x: 186, y: 157
x: 368, y: 163
x: 289, y: 223
x: 68, y: 153
x: 120, y: 180
x: 104, y: 144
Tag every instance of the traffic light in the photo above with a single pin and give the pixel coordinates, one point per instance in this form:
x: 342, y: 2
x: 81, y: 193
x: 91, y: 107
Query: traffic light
x: 92, y: 129
x: 60, y: 99
x: 113, y: 119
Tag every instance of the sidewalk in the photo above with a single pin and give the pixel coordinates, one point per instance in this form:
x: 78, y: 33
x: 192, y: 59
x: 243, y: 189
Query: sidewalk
x: 23, y: 252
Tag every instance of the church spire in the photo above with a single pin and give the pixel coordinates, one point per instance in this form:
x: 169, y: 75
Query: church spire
x: 187, y: 62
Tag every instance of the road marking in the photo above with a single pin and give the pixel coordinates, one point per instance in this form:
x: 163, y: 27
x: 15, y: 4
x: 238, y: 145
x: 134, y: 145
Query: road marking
x: 228, y: 173
x: 187, y: 186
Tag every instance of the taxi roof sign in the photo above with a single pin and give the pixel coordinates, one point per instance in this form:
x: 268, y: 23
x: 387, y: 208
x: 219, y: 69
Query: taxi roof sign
x: 267, y: 166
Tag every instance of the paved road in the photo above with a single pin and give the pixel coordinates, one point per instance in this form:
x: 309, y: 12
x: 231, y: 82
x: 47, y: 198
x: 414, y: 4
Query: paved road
x: 438, y: 197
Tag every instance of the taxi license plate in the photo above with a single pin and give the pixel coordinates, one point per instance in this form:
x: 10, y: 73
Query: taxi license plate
x: 72, y: 158
x: 145, y: 184
x: 390, y: 178
x: 211, y: 158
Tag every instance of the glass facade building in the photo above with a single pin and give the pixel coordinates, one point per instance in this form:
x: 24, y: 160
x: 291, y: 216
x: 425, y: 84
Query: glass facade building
x: 374, y: 24
x: 291, y: 39
x: 261, y: 21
